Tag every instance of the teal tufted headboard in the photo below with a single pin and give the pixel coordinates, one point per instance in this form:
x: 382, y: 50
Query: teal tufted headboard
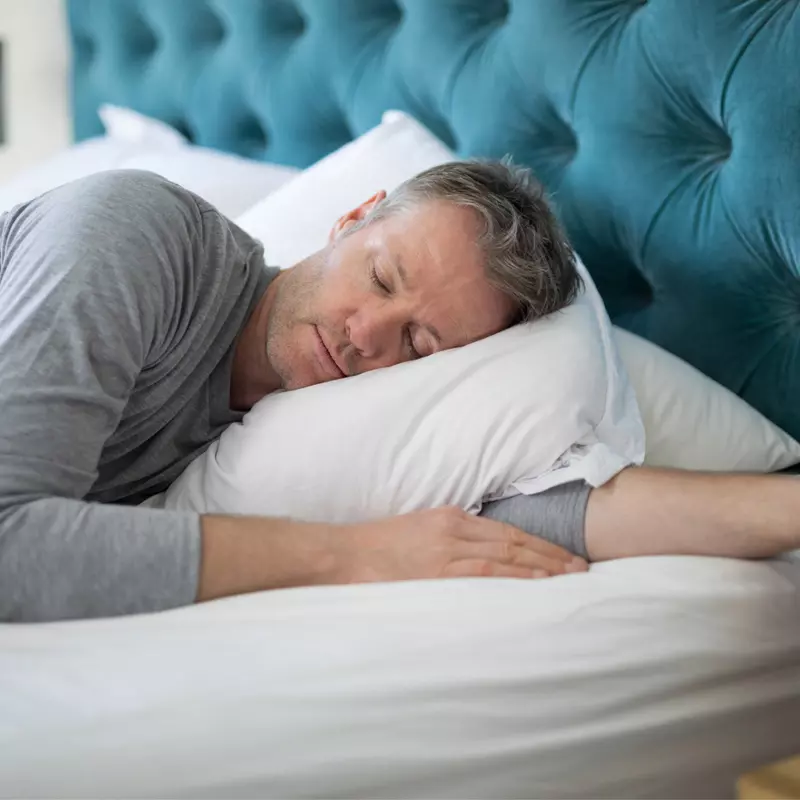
x: 667, y: 131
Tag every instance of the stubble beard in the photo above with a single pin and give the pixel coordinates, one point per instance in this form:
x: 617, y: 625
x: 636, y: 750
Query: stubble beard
x: 292, y: 309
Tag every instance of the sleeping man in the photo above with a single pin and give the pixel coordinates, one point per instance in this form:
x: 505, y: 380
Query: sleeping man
x: 137, y: 323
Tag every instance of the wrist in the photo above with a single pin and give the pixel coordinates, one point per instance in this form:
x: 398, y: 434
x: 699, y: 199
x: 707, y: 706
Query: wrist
x: 250, y: 554
x: 317, y: 555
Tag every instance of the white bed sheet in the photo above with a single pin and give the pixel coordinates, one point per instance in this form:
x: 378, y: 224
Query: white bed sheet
x: 652, y: 677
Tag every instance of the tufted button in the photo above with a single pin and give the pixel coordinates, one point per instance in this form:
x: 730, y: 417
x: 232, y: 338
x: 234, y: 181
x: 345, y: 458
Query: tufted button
x: 143, y: 39
x: 211, y: 30
x: 184, y: 128
x: 566, y: 141
x: 714, y: 144
x: 338, y: 130
x: 253, y: 135
x: 442, y: 130
x: 625, y: 288
x: 552, y: 136
x: 639, y: 291
x: 631, y: 9
x: 500, y: 10
x: 85, y: 47
x: 392, y: 14
x: 448, y: 136
x: 289, y: 21
x: 724, y: 144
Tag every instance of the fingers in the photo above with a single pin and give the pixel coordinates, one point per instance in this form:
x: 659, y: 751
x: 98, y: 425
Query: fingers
x: 515, y: 555
x: 481, y: 529
x: 478, y: 568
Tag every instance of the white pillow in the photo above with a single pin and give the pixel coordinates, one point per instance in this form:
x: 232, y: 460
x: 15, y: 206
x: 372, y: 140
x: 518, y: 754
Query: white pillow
x: 296, y: 221
x: 126, y: 125
x: 692, y: 422
x: 93, y: 155
x: 529, y: 408
x: 231, y: 184
x: 134, y: 141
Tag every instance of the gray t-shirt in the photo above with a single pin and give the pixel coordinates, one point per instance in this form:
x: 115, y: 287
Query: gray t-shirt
x: 121, y: 297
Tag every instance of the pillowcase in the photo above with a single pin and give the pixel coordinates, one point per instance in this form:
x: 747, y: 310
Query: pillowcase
x: 529, y: 408
x: 92, y: 155
x: 692, y: 422
x: 126, y: 125
x: 296, y: 221
x: 522, y: 411
x: 134, y: 141
x: 230, y: 183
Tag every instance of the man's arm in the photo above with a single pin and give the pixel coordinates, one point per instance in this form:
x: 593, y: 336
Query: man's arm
x: 247, y: 554
x: 646, y: 511
x: 81, y: 271
x: 558, y: 514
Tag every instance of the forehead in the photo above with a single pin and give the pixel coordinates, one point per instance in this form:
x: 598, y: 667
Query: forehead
x: 435, y: 246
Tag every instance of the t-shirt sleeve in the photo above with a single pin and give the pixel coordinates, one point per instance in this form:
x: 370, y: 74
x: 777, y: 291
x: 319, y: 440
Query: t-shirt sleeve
x: 88, y: 285
x: 557, y: 515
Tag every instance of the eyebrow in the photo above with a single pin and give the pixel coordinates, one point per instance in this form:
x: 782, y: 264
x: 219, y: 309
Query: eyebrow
x: 403, y: 275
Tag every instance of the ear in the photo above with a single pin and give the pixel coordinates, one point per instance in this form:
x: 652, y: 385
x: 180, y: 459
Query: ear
x: 356, y: 215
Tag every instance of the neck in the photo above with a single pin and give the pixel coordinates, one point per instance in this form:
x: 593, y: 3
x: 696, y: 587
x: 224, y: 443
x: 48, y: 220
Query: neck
x: 252, y: 376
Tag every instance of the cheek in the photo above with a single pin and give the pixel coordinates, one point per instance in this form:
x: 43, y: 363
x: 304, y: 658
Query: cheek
x: 488, y: 310
x: 342, y: 290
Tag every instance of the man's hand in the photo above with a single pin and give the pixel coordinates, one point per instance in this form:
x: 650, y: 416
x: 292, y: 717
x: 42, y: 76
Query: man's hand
x: 447, y: 543
x: 248, y: 554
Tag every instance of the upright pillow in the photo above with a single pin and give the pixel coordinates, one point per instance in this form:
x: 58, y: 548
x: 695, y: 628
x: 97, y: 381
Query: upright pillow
x: 296, y: 221
x: 85, y: 158
x: 126, y: 125
x: 230, y: 183
x: 692, y: 422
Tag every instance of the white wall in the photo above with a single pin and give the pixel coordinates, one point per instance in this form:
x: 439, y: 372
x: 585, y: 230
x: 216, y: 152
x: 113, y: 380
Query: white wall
x: 35, y: 59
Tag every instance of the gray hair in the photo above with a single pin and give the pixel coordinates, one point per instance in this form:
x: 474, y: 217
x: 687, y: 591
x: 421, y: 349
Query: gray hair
x: 528, y: 257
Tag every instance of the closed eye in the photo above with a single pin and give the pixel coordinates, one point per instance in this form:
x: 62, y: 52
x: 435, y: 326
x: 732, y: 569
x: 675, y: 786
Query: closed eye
x: 384, y: 289
x: 377, y: 282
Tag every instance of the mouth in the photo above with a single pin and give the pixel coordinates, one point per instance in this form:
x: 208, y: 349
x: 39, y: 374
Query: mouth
x: 326, y: 357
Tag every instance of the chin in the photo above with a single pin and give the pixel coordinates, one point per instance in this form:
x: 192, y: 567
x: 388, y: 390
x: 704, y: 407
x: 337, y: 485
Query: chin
x: 295, y: 361
x: 295, y: 382
x: 300, y: 373
x: 297, y: 374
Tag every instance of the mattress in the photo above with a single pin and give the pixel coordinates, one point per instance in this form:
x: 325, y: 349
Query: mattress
x: 648, y: 677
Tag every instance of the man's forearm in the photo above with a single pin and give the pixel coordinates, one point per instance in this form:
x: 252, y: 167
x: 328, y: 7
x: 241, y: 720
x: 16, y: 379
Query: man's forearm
x: 242, y: 554
x: 646, y: 511
x: 250, y: 554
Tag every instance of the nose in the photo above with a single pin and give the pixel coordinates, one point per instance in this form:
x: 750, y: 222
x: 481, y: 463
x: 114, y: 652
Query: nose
x: 376, y: 332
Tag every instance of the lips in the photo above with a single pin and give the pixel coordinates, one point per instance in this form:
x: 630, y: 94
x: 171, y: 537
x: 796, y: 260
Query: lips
x: 326, y: 356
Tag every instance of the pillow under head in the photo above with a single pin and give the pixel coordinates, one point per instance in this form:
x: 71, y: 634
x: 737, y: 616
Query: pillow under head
x: 531, y: 407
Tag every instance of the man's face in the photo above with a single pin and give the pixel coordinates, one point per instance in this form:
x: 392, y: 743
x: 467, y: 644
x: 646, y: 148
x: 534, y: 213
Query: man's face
x: 400, y: 288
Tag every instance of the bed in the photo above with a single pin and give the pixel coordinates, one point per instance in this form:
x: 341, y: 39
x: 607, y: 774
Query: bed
x: 669, y: 135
